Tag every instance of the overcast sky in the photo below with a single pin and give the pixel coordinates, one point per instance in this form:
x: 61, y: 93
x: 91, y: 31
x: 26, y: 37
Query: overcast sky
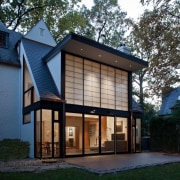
x: 132, y: 7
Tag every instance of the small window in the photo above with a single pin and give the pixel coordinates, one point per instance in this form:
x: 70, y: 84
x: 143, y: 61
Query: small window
x: 3, y: 39
x: 27, y: 118
x: 41, y: 32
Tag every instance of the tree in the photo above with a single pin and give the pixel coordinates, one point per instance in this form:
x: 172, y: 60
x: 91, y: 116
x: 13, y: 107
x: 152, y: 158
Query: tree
x: 156, y: 38
x: 105, y: 22
x: 149, y: 114
x: 59, y: 15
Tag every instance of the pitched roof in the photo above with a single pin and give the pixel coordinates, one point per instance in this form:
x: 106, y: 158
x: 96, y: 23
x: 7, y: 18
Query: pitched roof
x: 40, y: 33
x: 168, y: 101
x: 43, y: 79
x: 9, y: 55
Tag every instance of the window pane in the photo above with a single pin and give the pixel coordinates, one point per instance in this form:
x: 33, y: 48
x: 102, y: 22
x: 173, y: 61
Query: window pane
x: 107, y: 131
x: 73, y: 133
x: 46, y: 133
x: 91, y: 134
x: 121, y: 134
x: 27, y: 118
x: 38, y: 134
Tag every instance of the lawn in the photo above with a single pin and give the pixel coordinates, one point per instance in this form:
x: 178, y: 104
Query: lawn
x: 164, y: 172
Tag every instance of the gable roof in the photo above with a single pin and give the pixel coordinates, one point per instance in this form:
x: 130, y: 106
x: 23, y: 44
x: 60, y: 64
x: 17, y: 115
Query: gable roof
x: 9, y: 55
x: 91, y: 49
x: 43, y: 79
x: 40, y: 33
x: 168, y: 101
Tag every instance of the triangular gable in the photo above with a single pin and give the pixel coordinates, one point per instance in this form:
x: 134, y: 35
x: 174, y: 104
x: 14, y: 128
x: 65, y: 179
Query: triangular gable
x: 41, y: 33
x: 43, y: 81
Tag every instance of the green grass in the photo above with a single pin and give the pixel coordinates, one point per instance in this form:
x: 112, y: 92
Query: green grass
x: 165, y: 172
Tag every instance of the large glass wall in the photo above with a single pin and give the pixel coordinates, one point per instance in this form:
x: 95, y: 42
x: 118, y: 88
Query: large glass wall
x: 74, y: 134
x: 84, y: 134
x: 94, y: 84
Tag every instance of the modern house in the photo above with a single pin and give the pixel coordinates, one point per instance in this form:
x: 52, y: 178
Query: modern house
x: 68, y: 99
x: 170, y: 100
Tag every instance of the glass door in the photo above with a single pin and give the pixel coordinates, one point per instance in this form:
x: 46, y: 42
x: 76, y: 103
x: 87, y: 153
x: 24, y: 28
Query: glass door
x: 107, y: 132
x: 91, y: 134
x: 56, y: 135
x: 136, y: 135
x: 121, y: 135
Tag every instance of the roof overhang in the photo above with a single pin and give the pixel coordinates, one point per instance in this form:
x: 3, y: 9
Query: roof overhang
x: 90, y: 49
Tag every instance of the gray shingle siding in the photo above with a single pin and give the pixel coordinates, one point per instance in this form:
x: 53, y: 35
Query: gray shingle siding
x: 168, y: 101
x: 44, y: 81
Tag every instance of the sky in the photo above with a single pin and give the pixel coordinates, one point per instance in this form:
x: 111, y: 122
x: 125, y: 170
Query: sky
x: 133, y: 7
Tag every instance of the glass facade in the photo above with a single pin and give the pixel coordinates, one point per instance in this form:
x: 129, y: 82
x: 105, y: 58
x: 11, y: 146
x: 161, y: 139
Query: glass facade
x: 93, y: 84
x: 89, y: 84
x: 47, y: 134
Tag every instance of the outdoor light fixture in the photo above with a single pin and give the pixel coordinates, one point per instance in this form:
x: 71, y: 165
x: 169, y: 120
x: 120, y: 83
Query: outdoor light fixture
x: 93, y: 111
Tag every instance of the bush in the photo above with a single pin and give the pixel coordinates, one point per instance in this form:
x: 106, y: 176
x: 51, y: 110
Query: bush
x: 11, y: 149
x: 164, y: 135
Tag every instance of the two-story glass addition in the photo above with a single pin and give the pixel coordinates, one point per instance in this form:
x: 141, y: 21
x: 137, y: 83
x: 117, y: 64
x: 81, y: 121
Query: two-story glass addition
x: 78, y: 98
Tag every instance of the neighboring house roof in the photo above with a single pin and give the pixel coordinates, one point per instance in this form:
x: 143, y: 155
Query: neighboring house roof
x: 135, y: 106
x: 91, y: 49
x: 43, y: 79
x: 9, y: 55
x: 168, y: 101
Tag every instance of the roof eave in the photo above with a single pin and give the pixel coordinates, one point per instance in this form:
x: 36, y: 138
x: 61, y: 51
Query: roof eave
x: 84, y: 47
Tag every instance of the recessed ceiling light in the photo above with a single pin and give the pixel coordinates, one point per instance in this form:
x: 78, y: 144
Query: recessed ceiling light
x: 100, y: 55
x: 116, y: 61
x: 81, y: 49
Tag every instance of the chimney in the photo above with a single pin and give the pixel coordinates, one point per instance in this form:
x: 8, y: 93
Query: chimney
x: 124, y: 49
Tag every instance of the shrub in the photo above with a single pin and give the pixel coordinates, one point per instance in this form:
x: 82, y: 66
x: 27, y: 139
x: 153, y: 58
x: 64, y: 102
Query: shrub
x: 164, y: 135
x: 11, y: 149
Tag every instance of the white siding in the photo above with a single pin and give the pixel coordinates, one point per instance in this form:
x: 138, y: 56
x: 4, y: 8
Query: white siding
x: 10, y: 100
x: 41, y: 33
x: 27, y: 134
x: 55, y: 69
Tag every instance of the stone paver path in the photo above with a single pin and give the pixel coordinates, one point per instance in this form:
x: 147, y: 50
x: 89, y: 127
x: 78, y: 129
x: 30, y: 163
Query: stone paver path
x: 97, y: 164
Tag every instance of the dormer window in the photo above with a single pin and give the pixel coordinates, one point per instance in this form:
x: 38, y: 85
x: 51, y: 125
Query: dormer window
x: 3, y: 39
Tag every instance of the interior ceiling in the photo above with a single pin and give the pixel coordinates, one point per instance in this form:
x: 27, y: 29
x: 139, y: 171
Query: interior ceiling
x: 102, y: 56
